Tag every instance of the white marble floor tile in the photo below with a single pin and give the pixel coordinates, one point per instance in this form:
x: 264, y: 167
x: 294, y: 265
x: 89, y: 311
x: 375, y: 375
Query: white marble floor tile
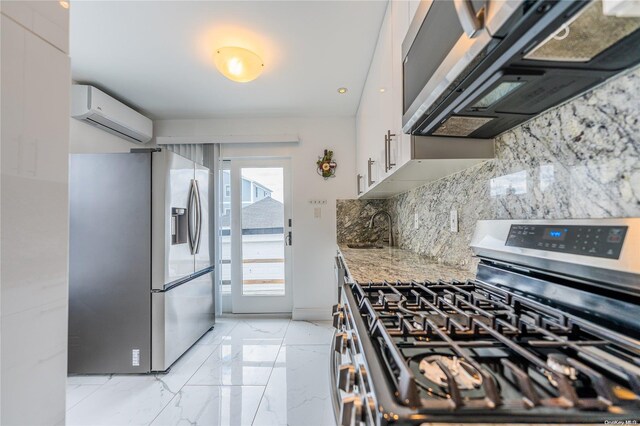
x: 211, y: 405
x: 76, y: 393
x: 182, y: 370
x: 298, y: 391
x: 239, y: 361
x: 92, y: 379
x: 261, y: 328
x: 309, y: 333
x: 225, y: 376
x: 122, y: 402
x: 222, y: 328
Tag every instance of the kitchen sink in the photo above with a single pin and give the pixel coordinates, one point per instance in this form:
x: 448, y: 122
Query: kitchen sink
x: 364, y: 246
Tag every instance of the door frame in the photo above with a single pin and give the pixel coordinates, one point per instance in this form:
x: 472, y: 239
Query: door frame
x: 241, y: 303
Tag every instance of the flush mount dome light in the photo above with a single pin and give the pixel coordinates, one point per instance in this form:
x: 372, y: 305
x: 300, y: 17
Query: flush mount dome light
x: 342, y: 90
x: 238, y: 64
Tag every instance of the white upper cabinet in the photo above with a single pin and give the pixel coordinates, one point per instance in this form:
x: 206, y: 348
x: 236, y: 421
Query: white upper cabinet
x: 380, y: 111
x: 390, y: 165
x: 376, y: 112
x: 402, y: 14
x: 370, y: 112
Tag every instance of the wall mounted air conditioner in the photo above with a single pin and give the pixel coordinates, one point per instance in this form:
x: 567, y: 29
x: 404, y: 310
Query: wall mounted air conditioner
x: 95, y: 107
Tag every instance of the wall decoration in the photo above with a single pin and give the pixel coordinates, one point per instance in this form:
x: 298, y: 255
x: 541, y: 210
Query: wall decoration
x: 326, y: 165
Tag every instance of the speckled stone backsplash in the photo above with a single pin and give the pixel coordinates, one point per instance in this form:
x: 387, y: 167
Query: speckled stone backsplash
x: 579, y: 160
x: 353, y: 219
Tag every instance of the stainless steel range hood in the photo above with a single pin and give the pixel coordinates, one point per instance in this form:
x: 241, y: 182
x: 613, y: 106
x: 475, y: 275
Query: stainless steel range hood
x: 515, y: 61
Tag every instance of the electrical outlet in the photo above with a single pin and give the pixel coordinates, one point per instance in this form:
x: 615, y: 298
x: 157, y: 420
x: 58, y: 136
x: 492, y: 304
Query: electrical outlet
x: 317, y: 212
x: 135, y: 357
x: 416, y: 221
x: 453, y: 220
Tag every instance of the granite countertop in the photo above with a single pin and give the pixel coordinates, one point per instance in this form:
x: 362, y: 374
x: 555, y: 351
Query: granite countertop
x: 393, y: 264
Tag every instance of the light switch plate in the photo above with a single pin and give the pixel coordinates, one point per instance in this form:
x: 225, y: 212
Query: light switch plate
x: 453, y: 220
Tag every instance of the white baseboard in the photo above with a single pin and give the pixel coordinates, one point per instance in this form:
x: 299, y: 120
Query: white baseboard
x: 311, y: 314
x: 284, y: 315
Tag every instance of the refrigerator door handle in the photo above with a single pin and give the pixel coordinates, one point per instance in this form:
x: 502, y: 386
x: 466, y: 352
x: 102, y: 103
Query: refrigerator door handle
x: 191, y: 219
x: 198, y: 217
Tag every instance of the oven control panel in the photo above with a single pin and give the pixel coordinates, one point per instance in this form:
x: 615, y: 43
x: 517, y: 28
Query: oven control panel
x: 587, y: 240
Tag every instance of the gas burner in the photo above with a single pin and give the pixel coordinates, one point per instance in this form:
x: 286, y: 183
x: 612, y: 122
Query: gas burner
x: 559, y: 364
x: 466, y: 376
x: 390, y: 298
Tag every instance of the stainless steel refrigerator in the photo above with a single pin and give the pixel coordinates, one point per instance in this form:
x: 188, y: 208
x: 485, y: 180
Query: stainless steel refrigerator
x: 141, y: 288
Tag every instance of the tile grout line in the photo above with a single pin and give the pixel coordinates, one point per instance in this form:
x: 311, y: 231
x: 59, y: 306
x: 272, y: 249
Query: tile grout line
x: 270, y: 373
x: 194, y: 372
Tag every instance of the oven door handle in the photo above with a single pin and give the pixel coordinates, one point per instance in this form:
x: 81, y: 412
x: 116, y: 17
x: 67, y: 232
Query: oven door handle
x: 471, y: 21
x: 334, y: 360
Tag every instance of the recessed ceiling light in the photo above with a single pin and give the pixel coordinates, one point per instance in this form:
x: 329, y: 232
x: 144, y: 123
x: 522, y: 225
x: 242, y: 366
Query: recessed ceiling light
x: 342, y: 90
x: 382, y: 89
x: 64, y: 4
x: 238, y: 64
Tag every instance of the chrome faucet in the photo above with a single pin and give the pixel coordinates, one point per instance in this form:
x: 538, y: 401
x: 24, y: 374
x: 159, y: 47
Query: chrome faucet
x: 378, y: 213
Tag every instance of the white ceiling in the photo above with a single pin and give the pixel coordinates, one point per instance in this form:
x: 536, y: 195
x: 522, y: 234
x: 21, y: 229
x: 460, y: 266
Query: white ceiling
x: 157, y: 55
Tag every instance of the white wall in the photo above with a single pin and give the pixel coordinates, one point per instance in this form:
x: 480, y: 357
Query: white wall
x: 34, y: 212
x: 314, y: 239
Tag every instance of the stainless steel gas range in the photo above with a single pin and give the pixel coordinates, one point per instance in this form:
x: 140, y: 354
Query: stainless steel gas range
x: 548, y: 332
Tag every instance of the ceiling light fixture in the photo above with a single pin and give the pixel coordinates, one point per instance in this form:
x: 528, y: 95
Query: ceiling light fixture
x: 238, y: 64
x: 342, y: 90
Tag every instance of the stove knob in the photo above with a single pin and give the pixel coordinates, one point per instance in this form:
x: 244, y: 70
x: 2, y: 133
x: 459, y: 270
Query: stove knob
x: 351, y: 409
x: 363, y: 376
x: 338, y: 319
x: 371, y: 403
x: 347, y: 377
x: 354, y: 343
x: 340, y: 342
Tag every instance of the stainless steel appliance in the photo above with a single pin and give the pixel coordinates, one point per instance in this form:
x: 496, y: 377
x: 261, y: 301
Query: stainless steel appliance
x: 548, y: 332
x: 477, y: 68
x: 141, y: 288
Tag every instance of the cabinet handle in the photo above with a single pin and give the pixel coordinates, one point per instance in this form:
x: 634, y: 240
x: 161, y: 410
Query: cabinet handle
x: 371, y: 181
x: 358, y: 177
x: 387, y: 140
x: 471, y: 21
x: 386, y: 153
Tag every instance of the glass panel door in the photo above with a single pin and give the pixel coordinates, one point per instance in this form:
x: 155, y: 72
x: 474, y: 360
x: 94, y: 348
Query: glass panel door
x: 259, y: 235
x: 263, y: 231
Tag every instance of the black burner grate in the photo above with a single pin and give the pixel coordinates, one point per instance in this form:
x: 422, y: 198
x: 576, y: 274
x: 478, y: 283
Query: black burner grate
x: 520, y: 352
